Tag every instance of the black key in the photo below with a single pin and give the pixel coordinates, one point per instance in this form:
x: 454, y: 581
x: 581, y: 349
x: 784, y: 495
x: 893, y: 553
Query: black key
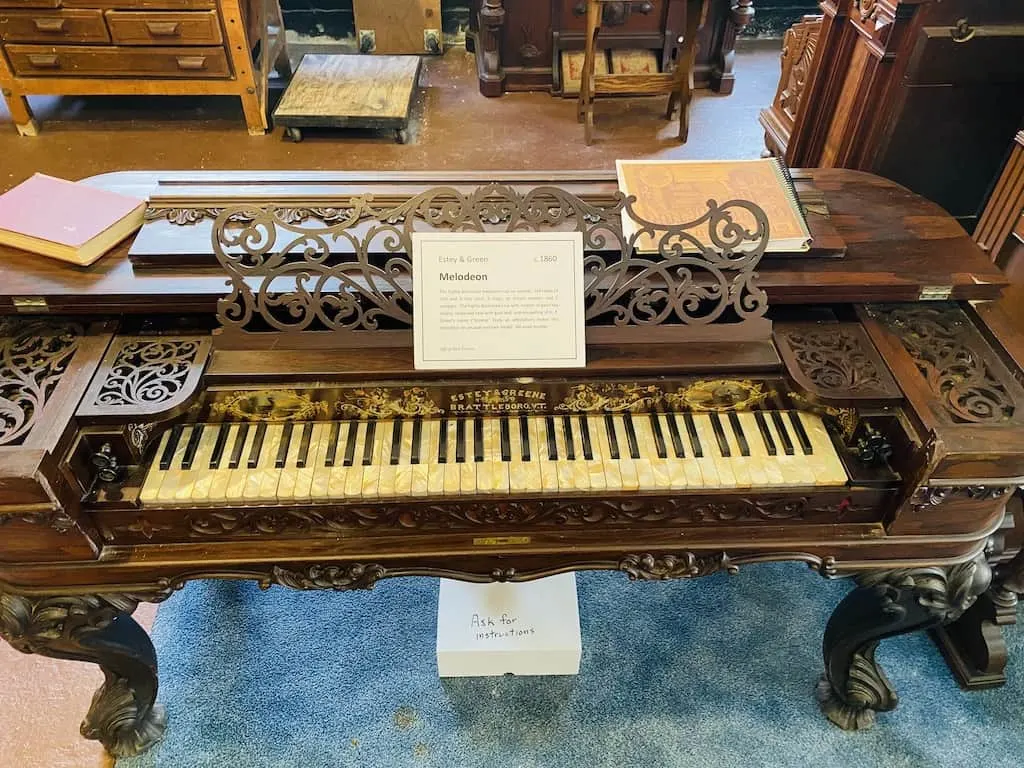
x: 368, y: 446
x: 659, y: 438
x: 282, y: 447
x: 716, y: 427
x: 219, y: 445
x: 190, y: 448
x: 417, y: 437
x: 524, y: 436
x: 506, y: 440
x: 570, y: 447
x: 172, y: 445
x: 780, y: 427
x: 332, y: 445
x: 677, y: 439
x: 801, y: 433
x: 396, y: 441
x: 257, y: 445
x: 613, y: 439
x: 460, y: 441
x: 236, y: 451
x: 737, y: 430
x: 634, y: 448
x: 307, y: 435
x: 691, y: 430
x: 549, y: 429
x: 350, y: 444
x: 478, y: 439
x: 588, y: 447
x: 442, y: 443
x: 769, y: 441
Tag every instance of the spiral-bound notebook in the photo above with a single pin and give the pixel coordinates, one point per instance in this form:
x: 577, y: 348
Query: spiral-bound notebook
x: 677, y: 191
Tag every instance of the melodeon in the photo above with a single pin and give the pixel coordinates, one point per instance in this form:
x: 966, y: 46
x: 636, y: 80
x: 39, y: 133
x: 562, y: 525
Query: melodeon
x: 238, y: 400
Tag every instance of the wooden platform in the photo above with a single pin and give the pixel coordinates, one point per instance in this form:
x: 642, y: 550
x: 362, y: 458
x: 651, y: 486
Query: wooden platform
x: 349, y: 91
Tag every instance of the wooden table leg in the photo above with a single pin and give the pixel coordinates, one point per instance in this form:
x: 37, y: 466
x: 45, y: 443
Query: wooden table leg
x: 21, y: 113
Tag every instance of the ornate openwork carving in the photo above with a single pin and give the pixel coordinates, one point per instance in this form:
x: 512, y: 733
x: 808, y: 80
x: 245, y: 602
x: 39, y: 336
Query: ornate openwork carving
x: 498, y: 513
x: 33, y: 356
x: 835, y: 360
x: 353, y: 273
x: 970, y: 382
x: 146, y: 375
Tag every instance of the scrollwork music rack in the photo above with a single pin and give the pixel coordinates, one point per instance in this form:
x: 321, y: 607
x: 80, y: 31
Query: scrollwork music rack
x: 334, y: 272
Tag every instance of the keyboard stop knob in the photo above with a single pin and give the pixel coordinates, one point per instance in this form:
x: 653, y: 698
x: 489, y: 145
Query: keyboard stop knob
x: 105, y: 462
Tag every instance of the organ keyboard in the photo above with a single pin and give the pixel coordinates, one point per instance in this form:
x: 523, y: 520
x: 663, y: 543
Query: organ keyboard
x: 158, y: 427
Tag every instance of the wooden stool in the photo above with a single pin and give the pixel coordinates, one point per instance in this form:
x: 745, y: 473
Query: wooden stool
x: 677, y: 84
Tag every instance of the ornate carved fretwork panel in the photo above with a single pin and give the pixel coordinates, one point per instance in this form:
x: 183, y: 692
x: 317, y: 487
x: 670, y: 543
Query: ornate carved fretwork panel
x: 969, y: 381
x: 350, y: 269
x: 835, y: 361
x: 797, y: 56
x: 146, y: 375
x: 33, y: 356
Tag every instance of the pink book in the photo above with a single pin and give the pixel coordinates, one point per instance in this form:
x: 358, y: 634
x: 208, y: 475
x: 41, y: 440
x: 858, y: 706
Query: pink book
x: 65, y: 220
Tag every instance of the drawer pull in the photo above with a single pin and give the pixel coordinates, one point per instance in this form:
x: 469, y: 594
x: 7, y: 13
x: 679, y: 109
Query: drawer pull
x: 49, y: 25
x: 44, y: 60
x: 191, y: 62
x: 164, y: 28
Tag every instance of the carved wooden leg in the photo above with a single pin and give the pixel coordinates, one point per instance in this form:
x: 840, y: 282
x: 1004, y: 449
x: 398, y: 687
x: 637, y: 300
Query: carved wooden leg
x: 886, y: 604
x: 96, y: 628
x: 741, y: 13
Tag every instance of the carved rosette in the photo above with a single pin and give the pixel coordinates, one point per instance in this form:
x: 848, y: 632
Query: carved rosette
x: 378, y: 403
x: 648, y: 567
x: 33, y: 357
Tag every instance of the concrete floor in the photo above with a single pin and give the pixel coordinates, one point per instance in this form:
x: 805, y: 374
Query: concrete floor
x: 43, y: 701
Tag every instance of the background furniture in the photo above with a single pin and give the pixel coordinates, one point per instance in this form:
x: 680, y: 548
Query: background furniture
x: 678, y: 84
x: 136, y: 47
x: 518, y: 45
x: 1000, y: 230
x: 398, y: 26
x: 923, y: 92
x: 797, y: 57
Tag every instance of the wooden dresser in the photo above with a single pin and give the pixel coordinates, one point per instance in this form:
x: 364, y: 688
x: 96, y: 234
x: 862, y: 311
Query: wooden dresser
x: 125, y: 47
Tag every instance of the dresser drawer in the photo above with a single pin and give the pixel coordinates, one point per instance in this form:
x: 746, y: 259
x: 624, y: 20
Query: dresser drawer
x: 44, y: 26
x: 157, y: 28
x: 30, y: 4
x: 75, y: 60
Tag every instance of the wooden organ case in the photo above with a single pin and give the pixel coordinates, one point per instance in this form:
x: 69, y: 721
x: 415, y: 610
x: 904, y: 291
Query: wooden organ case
x: 854, y: 414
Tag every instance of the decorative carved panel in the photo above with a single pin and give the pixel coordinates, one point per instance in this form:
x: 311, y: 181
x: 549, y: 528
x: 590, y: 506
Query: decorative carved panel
x: 835, y: 361
x: 965, y: 375
x: 33, y: 356
x: 146, y: 375
x: 354, y: 273
x: 797, y: 56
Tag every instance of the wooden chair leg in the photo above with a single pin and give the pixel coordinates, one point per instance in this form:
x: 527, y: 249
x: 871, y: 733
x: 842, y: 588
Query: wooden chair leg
x: 585, y: 110
x: 21, y: 113
x: 686, y: 60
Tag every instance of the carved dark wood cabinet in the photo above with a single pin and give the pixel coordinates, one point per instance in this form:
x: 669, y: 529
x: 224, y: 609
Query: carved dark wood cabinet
x: 518, y: 43
x: 923, y: 92
x: 232, y: 415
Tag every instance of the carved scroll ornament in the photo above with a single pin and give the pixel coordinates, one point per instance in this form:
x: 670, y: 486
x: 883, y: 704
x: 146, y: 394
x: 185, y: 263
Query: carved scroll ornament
x: 355, y: 273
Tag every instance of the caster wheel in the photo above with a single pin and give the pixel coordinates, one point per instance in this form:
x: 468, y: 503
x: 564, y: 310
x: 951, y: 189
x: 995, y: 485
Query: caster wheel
x: 295, y: 134
x: 401, y: 135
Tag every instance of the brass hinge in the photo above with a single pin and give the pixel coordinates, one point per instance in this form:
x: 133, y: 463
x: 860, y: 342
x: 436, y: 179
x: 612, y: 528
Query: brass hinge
x: 935, y: 293
x: 30, y: 304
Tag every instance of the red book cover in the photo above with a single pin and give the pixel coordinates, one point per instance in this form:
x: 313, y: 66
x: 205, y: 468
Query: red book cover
x: 62, y: 211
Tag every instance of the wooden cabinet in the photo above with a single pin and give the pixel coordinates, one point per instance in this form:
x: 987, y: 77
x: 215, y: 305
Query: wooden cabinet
x: 924, y: 92
x: 519, y: 44
x: 179, y: 47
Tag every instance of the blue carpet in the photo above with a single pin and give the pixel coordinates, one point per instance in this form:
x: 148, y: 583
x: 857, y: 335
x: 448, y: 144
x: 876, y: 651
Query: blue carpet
x: 719, y: 671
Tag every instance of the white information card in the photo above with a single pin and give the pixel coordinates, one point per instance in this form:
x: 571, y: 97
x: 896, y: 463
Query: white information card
x: 498, y: 300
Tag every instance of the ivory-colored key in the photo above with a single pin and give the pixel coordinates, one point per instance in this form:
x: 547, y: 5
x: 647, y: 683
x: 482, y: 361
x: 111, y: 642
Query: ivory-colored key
x: 320, y: 487
x: 320, y: 475
x: 485, y: 475
x: 500, y: 468
x: 269, y: 474
x: 767, y: 467
x: 679, y: 468
x: 833, y: 471
x: 304, y: 474
x: 599, y: 434
x: 155, y: 477
x: 434, y: 485
x: 370, y: 488
x: 594, y: 466
x: 386, y: 471
x: 199, y: 475
x: 738, y: 463
x: 524, y: 476
x: 726, y: 478
x: 794, y: 470
x: 404, y: 468
x: 288, y: 474
x: 217, y: 491
x: 539, y: 445
x: 173, y: 477
x: 627, y: 467
x: 239, y: 476
x: 657, y: 466
x: 354, y: 473
x: 563, y: 467
x: 580, y: 471
x: 452, y: 473
x: 339, y: 475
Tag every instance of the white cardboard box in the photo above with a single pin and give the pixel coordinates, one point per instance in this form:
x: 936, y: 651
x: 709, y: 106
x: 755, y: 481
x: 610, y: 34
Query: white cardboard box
x: 531, y: 628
